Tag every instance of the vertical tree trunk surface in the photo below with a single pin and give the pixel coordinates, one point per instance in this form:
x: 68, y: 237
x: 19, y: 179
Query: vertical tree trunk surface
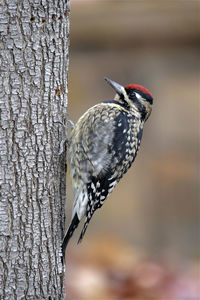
x: 33, y: 100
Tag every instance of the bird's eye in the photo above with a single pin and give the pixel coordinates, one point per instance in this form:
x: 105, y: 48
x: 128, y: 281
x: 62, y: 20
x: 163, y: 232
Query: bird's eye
x: 133, y: 96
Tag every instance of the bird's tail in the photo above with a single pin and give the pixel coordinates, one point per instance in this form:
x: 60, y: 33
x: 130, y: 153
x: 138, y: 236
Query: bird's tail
x: 84, y: 228
x: 74, y: 223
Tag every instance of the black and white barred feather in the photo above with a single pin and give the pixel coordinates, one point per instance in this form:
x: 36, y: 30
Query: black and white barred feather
x: 102, y: 147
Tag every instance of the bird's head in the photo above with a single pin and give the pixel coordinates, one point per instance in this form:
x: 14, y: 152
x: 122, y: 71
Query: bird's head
x: 135, y: 97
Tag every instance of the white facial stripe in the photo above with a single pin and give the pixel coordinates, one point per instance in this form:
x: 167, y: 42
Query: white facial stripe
x: 138, y: 96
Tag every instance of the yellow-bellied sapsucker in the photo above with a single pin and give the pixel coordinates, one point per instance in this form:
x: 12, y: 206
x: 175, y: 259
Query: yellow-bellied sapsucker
x: 102, y: 147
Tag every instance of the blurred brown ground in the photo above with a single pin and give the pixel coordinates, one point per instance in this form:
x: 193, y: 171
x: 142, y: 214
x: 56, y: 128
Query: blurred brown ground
x: 155, y: 208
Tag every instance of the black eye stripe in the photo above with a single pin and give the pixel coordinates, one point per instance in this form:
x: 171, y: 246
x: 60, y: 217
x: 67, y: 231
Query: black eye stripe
x: 132, y: 95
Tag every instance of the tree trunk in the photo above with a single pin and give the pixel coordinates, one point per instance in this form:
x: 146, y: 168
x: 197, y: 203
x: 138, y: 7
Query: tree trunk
x: 33, y: 104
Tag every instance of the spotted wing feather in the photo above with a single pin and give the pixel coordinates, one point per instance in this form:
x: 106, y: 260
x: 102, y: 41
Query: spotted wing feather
x: 111, y: 158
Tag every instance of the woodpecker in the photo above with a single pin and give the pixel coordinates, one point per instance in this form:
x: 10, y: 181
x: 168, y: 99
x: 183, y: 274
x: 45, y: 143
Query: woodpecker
x: 102, y: 147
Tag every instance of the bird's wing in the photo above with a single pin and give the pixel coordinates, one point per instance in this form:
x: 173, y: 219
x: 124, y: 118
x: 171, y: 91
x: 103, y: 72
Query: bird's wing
x: 105, y: 138
x: 103, y: 147
x: 104, y: 135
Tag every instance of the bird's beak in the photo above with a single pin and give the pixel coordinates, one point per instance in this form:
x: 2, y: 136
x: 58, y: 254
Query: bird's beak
x: 116, y: 86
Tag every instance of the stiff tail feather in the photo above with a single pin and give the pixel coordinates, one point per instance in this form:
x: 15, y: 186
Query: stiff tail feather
x: 74, y: 223
x: 84, y: 228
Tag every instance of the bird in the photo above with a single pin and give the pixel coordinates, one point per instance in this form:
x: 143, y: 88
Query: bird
x: 101, y: 148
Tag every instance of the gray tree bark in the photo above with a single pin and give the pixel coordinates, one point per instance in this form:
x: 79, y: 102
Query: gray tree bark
x: 33, y: 100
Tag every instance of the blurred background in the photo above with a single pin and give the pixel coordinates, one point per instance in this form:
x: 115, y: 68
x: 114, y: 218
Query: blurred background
x: 144, y: 243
